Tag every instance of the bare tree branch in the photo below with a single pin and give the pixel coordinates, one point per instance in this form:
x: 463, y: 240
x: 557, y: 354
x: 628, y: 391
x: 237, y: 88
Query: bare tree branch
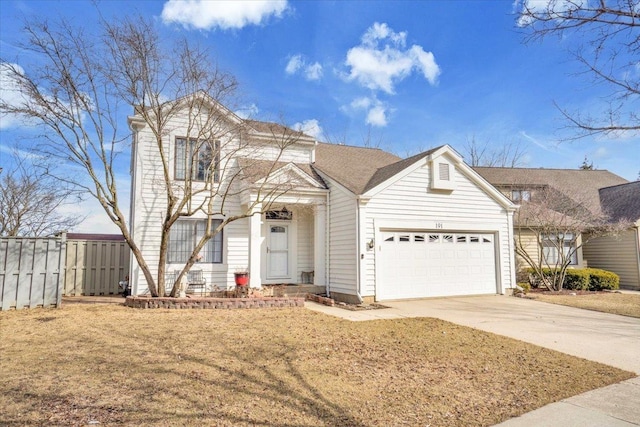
x: 77, y: 89
x: 606, y: 43
x: 509, y: 156
x: 31, y: 200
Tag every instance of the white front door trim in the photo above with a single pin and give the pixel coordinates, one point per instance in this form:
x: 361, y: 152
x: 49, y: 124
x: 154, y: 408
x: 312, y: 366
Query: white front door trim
x: 280, y: 257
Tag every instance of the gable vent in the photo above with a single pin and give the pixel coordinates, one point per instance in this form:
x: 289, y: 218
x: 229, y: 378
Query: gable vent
x: 443, y: 171
x: 443, y: 175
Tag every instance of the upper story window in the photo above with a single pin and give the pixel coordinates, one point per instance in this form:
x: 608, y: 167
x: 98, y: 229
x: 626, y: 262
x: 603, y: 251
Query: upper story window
x: 197, y: 160
x: 520, y: 195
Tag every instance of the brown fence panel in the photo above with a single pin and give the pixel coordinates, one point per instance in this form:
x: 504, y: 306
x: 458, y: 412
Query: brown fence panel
x: 94, y: 267
x: 31, y: 271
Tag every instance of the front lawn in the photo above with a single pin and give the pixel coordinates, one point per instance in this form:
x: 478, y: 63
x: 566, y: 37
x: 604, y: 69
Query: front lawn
x: 607, y: 302
x: 287, y: 367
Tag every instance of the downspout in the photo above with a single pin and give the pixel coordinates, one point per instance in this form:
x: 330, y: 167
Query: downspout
x: 133, y: 278
x: 637, y: 230
x: 358, y: 269
x: 326, y: 246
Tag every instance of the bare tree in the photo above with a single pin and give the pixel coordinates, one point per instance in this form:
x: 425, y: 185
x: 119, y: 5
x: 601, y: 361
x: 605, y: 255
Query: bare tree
x: 30, y: 200
x: 78, y: 88
x: 372, y: 141
x: 510, y: 155
x: 550, y: 228
x: 605, y: 40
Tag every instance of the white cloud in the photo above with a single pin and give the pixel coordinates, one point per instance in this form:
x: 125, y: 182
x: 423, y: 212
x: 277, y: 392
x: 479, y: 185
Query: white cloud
x: 294, y: 64
x: 313, y: 71
x: 206, y: 15
x: 10, y: 94
x: 297, y: 63
x: 361, y: 103
x: 381, y: 60
x: 310, y: 127
x: 377, y: 116
x: 601, y: 153
x: 377, y: 111
x: 247, y: 111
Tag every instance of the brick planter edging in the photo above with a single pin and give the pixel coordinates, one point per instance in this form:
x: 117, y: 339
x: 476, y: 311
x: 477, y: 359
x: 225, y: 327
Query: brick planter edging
x: 321, y: 300
x: 214, y: 303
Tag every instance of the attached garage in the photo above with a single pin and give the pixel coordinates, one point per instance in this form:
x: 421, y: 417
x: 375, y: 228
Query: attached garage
x: 425, y: 226
x: 418, y: 264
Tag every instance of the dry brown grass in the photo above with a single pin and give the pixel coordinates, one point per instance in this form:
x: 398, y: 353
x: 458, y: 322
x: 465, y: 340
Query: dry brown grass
x: 288, y: 367
x: 607, y: 302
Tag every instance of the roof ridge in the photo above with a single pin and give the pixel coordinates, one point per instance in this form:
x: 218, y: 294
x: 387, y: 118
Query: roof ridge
x: 355, y: 146
x: 618, y: 185
x: 542, y: 168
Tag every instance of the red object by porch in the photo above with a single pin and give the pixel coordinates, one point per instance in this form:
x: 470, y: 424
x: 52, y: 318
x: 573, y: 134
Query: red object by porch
x: 242, y: 279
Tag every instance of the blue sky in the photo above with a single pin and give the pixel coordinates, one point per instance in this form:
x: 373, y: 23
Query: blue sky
x: 412, y: 75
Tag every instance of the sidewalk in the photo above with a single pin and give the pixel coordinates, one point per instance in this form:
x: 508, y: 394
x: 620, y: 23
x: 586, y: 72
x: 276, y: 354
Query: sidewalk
x: 617, y: 405
x: 604, y: 338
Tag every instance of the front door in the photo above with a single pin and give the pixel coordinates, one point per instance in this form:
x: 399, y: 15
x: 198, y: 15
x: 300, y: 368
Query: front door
x: 278, y: 252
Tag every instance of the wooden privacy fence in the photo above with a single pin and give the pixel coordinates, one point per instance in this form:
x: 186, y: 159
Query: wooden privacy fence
x: 39, y: 271
x: 95, y: 264
x: 31, y: 271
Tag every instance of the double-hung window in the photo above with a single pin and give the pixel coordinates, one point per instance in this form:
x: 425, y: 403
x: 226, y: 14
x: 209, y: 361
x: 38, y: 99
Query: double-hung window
x: 197, y: 160
x: 553, y: 244
x: 185, y: 235
x: 521, y: 195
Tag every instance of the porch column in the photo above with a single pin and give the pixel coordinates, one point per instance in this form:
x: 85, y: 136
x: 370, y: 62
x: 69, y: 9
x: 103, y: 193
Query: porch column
x: 255, y: 240
x: 320, y: 244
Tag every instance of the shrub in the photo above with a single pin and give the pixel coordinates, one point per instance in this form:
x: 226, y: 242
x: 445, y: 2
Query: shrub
x: 602, y: 279
x: 576, y: 279
x: 592, y: 279
x: 535, y: 280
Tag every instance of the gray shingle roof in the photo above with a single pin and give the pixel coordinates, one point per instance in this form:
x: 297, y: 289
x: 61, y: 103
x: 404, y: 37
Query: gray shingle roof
x: 254, y: 170
x: 353, y: 167
x: 622, y: 201
x: 272, y: 128
x: 575, y: 183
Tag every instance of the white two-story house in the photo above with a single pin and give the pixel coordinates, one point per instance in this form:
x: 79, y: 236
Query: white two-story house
x: 361, y: 223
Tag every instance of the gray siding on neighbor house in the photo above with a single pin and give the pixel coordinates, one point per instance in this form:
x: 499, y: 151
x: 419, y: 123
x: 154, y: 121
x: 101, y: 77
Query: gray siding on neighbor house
x: 31, y: 272
x: 618, y: 254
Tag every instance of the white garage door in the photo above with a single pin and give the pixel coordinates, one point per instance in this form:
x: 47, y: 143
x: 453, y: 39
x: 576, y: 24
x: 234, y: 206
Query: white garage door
x: 417, y: 264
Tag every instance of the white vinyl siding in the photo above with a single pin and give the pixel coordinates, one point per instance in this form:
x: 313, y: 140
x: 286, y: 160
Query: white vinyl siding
x: 343, y: 251
x: 305, y: 242
x: 149, y: 202
x: 618, y: 254
x: 467, y: 208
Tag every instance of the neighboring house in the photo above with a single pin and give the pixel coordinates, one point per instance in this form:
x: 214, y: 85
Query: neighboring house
x: 367, y: 224
x: 599, y: 191
x: 620, y: 254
